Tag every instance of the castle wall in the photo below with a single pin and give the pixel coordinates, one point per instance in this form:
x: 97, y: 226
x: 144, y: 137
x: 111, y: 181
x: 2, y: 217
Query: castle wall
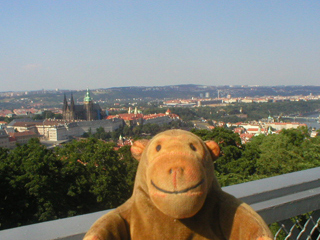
x: 77, y: 129
x: 109, y: 125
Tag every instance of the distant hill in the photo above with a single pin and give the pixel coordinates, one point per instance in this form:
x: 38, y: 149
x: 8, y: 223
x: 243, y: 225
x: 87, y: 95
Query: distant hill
x: 54, y: 98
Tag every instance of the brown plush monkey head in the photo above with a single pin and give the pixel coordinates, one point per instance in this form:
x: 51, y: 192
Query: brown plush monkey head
x: 176, y: 171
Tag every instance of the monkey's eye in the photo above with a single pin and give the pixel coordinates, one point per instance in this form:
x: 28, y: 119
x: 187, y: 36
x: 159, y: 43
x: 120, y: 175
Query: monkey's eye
x: 193, y: 147
x: 158, y: 147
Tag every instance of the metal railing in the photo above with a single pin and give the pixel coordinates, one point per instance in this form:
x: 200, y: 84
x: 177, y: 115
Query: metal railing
x: 289, y: 203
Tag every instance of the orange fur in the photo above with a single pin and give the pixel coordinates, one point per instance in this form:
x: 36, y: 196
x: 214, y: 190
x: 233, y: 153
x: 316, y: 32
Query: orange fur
x: 177, y: 196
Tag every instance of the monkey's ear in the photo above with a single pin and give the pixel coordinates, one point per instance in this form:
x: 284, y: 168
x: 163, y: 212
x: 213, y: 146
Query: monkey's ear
x: 213, y: 148
x: 138, y: 147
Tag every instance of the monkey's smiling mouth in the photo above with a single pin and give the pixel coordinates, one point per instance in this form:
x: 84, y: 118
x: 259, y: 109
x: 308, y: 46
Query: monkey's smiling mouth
x: 176, y: 192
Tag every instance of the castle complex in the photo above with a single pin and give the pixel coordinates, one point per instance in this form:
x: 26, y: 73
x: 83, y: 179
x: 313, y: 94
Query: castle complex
x: 88, y: 111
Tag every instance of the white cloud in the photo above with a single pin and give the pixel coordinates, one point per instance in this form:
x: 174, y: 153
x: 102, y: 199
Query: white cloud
x: 31, y: 67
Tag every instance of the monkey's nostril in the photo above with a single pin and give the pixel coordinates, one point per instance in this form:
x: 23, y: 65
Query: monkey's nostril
x: 192, y: 147
x: 158, y: 148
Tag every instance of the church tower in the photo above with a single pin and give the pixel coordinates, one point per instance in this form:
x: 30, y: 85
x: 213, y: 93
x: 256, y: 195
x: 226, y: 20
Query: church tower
x: 88, y: 111
x: 88, y: 105
x: 65, y: 104
x: 68, y: 111
x: 72, y: 114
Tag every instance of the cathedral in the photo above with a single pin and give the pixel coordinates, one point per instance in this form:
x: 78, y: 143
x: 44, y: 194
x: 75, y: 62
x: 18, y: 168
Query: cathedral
x: 88, y: 111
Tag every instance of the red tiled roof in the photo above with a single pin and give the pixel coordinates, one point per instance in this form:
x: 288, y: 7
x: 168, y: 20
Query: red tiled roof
x: 19, y: 134
x: 132, y: 116
x: 253, y: 129
x: 151, y: 116
x: 53, y: 122
x: 5, y: 112
x: 246, y: 135
x: 24, y: 124
x: 238, y: 130
x: 126, y: 116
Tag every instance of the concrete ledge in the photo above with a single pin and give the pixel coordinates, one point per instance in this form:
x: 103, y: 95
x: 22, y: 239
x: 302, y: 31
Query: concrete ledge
x: 281, y: 197
x: 273, y: 187
x: 72, y: 228
x: 288, y: 206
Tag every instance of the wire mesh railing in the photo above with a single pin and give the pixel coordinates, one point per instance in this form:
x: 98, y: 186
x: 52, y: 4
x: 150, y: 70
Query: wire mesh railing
x: 302, y: 227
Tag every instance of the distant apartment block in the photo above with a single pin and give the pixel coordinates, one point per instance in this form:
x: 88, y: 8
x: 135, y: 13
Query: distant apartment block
x: 22, y: 137
x: 4, y: 139
x: 3, y: 124
x: 10, y: 139
x: 22, y: 125
x: 181, y: 103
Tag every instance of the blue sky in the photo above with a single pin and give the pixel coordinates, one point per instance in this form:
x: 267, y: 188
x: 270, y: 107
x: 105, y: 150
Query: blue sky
x: 75, y: 44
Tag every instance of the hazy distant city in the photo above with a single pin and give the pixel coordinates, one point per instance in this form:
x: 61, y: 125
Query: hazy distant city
x: 61, y: 115
x: 105, y: 97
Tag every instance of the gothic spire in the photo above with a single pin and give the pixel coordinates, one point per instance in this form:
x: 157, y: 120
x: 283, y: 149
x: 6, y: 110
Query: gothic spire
x: 65, y: 103
x: 72, y: 102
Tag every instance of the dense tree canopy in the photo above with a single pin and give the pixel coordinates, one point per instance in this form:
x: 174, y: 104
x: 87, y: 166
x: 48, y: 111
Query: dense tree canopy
x: 29, y: 185
x: 38, y: 184
x: 265, y: 156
